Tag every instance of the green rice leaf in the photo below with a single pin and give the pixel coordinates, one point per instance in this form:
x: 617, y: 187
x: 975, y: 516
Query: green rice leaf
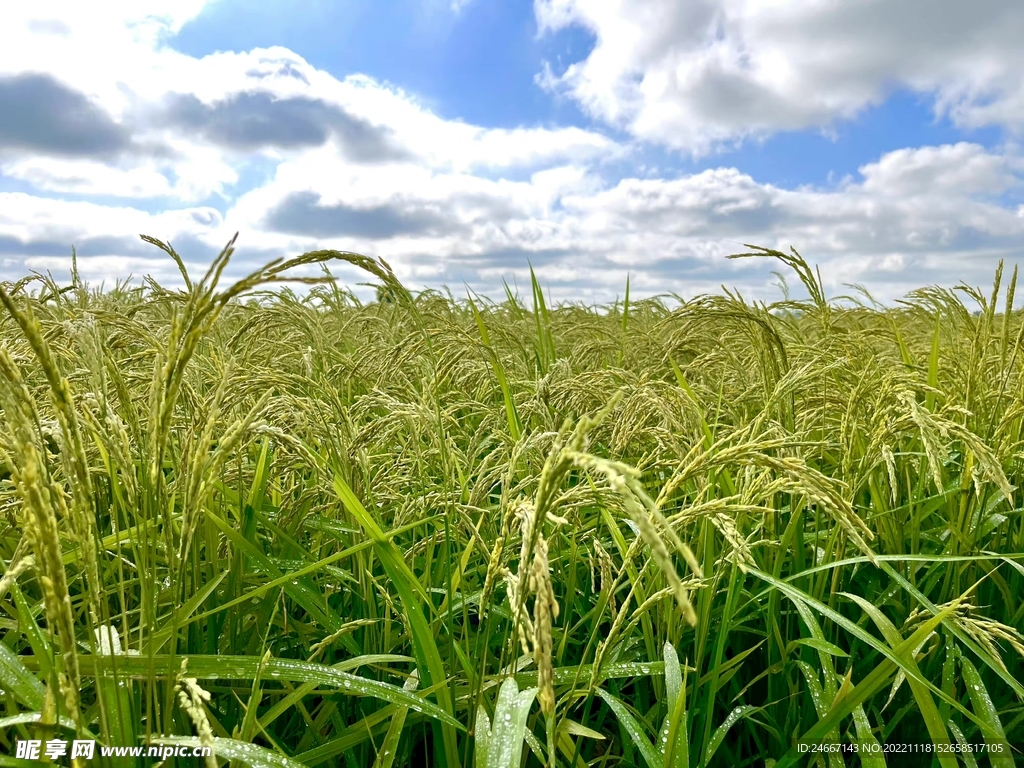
x: 999, y: 752
x: 248, y: 754
x: 632, y: 726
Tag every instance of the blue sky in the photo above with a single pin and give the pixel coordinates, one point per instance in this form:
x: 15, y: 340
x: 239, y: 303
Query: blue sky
x: 464, y: 141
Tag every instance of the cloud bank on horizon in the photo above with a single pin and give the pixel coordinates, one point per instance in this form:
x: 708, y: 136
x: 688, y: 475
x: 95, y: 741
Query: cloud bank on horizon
x: 464, y: 141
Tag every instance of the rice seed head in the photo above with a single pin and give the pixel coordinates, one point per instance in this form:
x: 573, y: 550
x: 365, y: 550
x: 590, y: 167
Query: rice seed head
x: 192, y: 699
x: 545, y: 611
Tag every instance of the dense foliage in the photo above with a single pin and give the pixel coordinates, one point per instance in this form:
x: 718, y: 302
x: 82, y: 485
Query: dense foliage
x: 423, y: 531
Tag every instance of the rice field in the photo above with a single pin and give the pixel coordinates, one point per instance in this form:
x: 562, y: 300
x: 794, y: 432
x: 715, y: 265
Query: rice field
x: 430, y: 531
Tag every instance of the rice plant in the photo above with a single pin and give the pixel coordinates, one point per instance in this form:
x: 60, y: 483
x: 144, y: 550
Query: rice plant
x: 307, y: 530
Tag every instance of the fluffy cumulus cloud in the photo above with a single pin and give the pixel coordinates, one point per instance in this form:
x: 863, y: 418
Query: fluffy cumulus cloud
x: 704, y: 73
x: 914, y: 217
x: 107, y: 132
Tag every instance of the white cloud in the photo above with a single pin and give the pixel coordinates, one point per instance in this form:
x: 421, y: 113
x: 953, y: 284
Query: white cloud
x: 437, y: 142
x: 30, y: 218
x: 962, y: 169
x: 914, y: 216
x: 38, y: 232
x: 113, y: 63
x: 706, y: 73
x: 87, y: 177
x: 101, y: 48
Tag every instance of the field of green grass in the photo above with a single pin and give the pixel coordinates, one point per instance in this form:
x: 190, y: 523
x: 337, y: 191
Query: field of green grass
x: 452, y: 532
